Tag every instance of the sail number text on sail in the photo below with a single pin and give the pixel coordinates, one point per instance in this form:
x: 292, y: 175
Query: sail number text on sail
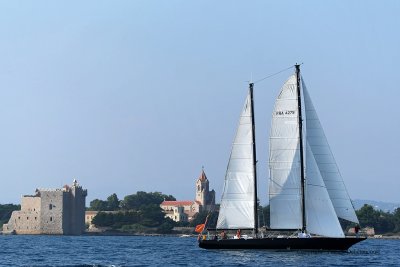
x: 286, y: 112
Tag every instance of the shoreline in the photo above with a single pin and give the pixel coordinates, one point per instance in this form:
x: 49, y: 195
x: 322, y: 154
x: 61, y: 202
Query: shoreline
x: 182, y: 235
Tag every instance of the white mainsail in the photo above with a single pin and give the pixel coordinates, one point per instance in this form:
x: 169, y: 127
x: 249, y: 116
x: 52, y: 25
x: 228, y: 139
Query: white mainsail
x: 284, y: 161
x: 326, y: 162
x: 237, y: 204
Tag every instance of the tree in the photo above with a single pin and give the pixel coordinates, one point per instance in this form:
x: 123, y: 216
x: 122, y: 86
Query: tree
x: 382, y: 222
x: 103, y: 219
x: 396, y: 219
x: 140, y: 212
x: 5, y: 212
x: 166, y: 227
x: 98, y: 204
x: 136, y: 201
x: 367, y: 216
x: 264, y: 216
x: 152, y: 215
x: 201, y: 218
x: 113, y: 202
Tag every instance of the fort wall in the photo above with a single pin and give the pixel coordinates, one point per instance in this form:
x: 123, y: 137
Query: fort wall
x: 50, y: 211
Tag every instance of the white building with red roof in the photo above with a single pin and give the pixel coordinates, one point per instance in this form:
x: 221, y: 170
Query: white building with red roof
x: 181, y: 210
x: 186, y: 210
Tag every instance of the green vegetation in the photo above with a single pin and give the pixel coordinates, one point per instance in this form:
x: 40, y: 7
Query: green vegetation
x: 142, y: 199
x: 131, y: 202
x: 383, y: 222
x: 137, y: 213
x: 201, y: 218
x: 264, y: 216
x: 5, y: 212
x: 112, y: 203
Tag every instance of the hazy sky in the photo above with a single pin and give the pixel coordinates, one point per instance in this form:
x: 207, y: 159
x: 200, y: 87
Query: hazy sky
x: 139, y: 95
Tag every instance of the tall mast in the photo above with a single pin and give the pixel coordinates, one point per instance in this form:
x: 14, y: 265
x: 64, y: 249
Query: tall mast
x: 251, y: 85
x: 303, y: 203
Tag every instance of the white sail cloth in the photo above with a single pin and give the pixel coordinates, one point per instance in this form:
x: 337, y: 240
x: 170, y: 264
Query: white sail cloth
x: 237, y: 204
x: 320, y: 215
x: 326, y: 197
x: 284, y: 161
x: 326, y: 162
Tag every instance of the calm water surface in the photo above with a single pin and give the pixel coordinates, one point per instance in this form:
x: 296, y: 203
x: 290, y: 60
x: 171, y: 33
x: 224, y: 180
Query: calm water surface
x: 175, y: 251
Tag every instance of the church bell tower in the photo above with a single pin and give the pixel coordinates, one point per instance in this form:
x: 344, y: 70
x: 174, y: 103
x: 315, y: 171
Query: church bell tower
x: 203, y: 193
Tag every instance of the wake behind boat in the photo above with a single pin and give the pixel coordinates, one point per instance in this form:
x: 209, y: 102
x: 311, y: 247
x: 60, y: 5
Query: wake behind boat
x: 307, y: 194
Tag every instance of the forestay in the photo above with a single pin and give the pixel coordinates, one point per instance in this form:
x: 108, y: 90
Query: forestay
x: 237, y: 204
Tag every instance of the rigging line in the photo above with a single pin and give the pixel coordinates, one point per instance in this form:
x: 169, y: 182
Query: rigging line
x: 269, y: 76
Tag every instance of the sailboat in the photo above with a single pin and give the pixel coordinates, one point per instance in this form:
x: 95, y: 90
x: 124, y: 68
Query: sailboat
x: 307, y: 195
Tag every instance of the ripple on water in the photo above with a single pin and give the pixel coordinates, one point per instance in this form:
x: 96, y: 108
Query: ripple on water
x: 164, y: 251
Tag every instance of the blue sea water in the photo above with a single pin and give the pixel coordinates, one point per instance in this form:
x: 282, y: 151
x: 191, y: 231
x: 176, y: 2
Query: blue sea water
x: 175, y: 251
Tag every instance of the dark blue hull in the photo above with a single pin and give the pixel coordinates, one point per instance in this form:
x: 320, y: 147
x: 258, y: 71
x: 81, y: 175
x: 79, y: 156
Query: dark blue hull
x: 314, y: 243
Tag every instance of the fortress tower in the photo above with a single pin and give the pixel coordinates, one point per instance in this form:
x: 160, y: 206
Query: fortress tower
x: 74, y: 209
x: 50, y: 211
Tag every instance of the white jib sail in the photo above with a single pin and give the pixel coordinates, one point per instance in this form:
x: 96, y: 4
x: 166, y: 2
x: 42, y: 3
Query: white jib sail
x: 320, y: 214
x: 326, y: 162
x: 284, y: 161
x: 237, y: 204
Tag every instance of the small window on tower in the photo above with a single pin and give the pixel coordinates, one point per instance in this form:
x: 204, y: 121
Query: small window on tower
x: 198, y: 188
x: 51, y: 219
x: 50, y: 206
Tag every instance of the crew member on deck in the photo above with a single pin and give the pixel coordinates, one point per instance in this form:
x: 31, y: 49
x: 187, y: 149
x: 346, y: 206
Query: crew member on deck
x: 223, y: 235
x: 238, y: 234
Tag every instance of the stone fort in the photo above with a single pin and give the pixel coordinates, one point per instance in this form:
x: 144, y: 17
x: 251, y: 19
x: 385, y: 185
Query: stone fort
x: 50, y: 211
